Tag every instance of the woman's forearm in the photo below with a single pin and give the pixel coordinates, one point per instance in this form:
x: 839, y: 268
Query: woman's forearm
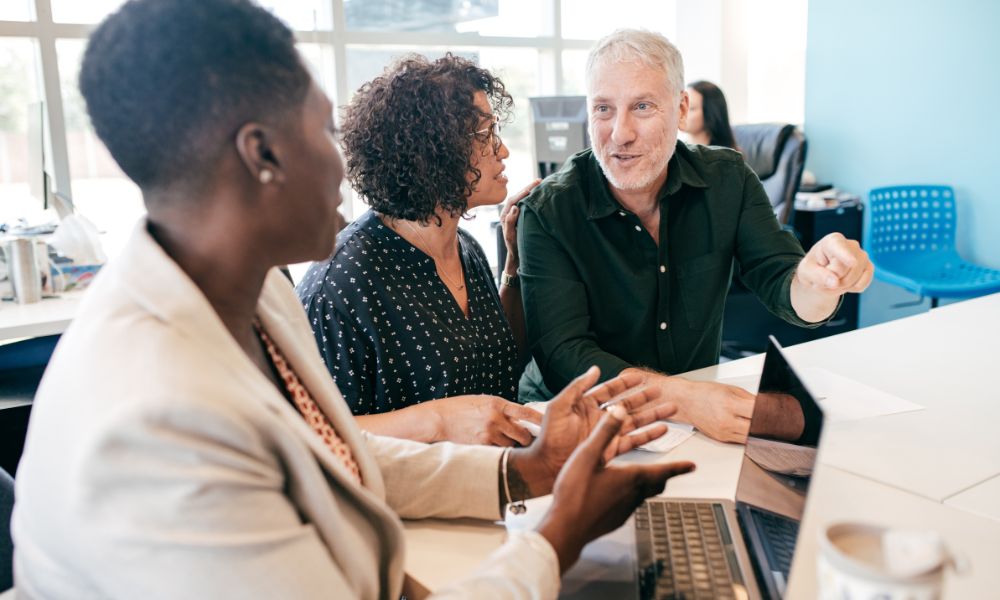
x: 419, y: 422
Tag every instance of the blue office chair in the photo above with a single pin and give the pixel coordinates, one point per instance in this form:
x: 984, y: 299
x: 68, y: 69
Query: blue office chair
x: 910, y: 238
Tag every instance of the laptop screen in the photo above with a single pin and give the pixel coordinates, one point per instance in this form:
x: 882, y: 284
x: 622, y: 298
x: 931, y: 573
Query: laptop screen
x: 785, y: 429
x: 784, y: 434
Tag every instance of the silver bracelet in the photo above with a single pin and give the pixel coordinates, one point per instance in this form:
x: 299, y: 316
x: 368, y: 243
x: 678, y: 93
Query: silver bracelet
x: 516, y: 507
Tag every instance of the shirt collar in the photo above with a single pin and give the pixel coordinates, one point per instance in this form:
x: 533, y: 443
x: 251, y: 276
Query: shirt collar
x: 680, y: 171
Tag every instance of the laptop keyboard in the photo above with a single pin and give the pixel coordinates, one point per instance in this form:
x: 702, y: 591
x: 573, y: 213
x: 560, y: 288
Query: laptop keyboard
x: 779, y: 534
x: 687, y: 542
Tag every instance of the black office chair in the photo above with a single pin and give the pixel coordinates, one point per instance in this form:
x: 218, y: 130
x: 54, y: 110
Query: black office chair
x: 6, y: 543
x: 777, y: 154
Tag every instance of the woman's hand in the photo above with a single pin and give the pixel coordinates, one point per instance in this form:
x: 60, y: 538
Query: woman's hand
x: 508, y: 221
x: 482, y: 419
x: 592, y: 499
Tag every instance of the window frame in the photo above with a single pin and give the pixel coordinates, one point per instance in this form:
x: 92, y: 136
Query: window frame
x: 42, y: 29
x: 700, y: 28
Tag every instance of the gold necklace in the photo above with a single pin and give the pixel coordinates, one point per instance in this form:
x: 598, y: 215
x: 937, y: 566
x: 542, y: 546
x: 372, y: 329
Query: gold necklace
x: 459, y: 286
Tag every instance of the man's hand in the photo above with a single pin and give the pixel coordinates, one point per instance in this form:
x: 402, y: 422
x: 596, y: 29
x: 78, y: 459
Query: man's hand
x: 574, y: 413
x: 508, y: 221
x: 592, y: 499
x: 720, y: 411
x: 834, y: 266
x: 482, y: 419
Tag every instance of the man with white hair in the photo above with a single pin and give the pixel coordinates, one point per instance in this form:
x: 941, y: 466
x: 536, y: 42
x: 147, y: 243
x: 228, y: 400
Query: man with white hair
x: 627, y: 252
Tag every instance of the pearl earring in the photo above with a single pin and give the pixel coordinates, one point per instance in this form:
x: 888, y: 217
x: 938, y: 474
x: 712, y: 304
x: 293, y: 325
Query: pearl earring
x: 266, y: 176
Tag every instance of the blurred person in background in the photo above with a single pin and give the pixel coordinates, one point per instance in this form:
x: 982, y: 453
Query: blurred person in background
x: 707, y: 121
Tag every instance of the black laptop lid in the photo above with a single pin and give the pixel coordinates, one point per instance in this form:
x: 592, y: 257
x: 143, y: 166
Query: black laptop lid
x: 785, y: 431
x: 784, y: 435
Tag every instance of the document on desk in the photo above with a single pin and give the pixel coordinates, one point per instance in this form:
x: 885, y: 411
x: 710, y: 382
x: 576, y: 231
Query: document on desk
x: 844, y: 399
x: 677, y: 433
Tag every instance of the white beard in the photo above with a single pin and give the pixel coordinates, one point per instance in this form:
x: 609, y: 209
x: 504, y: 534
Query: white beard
x: 636, y: 180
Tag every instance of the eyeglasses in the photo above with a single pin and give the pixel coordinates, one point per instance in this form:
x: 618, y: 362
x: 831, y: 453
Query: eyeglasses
x: 490, y: 135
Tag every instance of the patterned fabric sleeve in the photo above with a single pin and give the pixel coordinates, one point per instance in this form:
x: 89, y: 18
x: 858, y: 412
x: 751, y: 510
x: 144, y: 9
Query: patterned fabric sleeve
x: 343, y: 347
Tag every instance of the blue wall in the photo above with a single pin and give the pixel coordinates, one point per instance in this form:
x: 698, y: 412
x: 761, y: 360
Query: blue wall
x: 908, y: 92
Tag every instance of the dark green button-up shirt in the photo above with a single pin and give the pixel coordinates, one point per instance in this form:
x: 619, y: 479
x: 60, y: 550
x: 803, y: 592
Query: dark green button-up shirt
x: 598, y: 290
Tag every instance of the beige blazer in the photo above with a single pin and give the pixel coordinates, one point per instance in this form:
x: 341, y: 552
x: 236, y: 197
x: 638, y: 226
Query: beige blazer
x: 160, y: 463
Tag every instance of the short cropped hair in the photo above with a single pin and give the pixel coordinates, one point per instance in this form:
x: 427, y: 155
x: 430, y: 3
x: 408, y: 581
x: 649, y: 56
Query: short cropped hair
x: 408, y: 135
x: 652, y: 49
x: 169, y: 82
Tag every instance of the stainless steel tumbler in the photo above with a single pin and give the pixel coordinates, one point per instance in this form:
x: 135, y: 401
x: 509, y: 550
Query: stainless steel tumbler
x: 22, y: 267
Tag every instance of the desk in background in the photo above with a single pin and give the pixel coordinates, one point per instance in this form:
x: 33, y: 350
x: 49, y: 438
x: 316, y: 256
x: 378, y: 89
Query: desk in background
x: 49, y: 317
x: 28, y: 333
x: 936, y: 468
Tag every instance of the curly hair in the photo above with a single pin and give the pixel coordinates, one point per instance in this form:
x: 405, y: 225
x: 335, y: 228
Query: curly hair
x: 168, y: 82
x: 407, y: 135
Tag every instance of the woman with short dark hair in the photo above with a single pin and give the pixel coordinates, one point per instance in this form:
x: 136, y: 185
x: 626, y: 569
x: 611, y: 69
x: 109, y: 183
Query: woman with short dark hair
x: 406, y: 313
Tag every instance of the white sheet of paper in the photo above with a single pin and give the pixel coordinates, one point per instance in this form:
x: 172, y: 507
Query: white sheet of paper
x: 677, y: 433
x: 844, y: 399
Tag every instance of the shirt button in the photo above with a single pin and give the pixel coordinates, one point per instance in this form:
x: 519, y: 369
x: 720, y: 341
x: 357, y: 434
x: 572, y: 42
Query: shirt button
x: 637, y: 228
x: 663, y: 325
x: 621, y: 212
x: 663, y: 268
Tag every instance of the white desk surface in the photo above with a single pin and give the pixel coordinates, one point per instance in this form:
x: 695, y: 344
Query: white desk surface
x: 841, y: 496
x: 936, y: 468
x: 944, y: 360
x: 46, y: 317
x: 982, y: 499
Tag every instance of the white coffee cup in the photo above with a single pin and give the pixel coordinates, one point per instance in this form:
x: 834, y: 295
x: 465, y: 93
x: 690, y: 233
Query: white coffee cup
x: 866, y: 562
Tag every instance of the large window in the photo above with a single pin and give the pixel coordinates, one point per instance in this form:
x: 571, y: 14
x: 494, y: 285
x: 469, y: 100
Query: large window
x: 101, y: 192
x: 591, y: 19
x: 15, y: 10
x: 19, y: 94
x: 538, y: 47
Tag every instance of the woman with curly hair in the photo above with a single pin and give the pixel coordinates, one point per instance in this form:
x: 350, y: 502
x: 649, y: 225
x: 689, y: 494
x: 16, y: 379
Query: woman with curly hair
x: 406, y: 314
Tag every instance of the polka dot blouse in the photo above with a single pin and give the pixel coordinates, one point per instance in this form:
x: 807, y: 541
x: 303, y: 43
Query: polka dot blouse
x: 392, y: 334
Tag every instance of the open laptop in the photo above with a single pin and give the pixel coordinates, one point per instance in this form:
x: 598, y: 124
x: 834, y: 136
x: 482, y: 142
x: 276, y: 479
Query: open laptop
x: 717, y: 548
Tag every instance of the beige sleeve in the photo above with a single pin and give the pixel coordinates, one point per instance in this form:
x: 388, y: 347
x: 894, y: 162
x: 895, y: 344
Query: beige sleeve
x: 525, y: 568
x: 438, y: 480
